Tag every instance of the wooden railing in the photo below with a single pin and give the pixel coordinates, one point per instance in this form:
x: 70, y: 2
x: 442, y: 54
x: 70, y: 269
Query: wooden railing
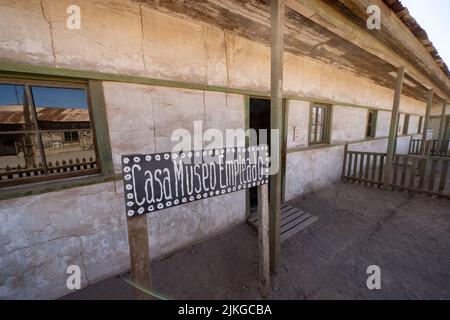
x: 364, y: 167
x: 432, y: 147
x: 421, y: 174
x: 38, y: 170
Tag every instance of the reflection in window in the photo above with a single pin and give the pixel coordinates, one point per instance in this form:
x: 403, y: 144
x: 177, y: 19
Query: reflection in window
x: 44, y: 132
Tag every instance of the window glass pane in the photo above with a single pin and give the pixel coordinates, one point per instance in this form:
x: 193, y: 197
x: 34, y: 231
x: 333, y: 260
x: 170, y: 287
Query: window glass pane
x: 19, y: 156
x: 320, y: 136
x: 321, y: 116
x: 370, y: 123
x: 369, y: 130
x: 318, y: 124
x: 17, y: 150
x: 319, y: 111
x: 63, y: 115
x: 51, y: 97
x: 62, y: 141
x: 406, y: 124
x: 12, y: 108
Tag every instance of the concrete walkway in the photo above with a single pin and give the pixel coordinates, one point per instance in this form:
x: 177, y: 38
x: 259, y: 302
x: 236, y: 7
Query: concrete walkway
x: 407, y: 236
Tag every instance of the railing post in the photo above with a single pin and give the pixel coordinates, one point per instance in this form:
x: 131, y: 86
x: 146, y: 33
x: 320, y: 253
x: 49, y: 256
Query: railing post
x: 426, y: 121
x: 387, y: 174
x: 344, y: 166
x: 442, y: 128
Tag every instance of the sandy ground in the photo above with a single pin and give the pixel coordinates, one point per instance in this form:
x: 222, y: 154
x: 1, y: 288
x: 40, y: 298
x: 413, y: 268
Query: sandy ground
x: 407, y: 236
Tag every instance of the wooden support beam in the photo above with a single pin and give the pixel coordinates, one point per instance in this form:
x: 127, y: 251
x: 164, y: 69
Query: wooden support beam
x: 336, y: 21
x: 387, y: 174
x: 277, y: 14
x: 443, y: 123
x: 393, y: 28
x: 263, y: 236
x: 139, y: 255
x: 426, y: 121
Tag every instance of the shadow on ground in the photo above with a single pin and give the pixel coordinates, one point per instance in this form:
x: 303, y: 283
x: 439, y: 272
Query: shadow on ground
x: 407, y: 236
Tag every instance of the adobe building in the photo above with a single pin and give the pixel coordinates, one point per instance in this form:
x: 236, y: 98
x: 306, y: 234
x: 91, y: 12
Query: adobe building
x: 146, y: 68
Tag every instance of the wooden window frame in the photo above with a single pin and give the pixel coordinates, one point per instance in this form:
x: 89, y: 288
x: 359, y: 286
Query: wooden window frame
x: 97, y: 113
x: 373, y: 125
x: 326, y: 124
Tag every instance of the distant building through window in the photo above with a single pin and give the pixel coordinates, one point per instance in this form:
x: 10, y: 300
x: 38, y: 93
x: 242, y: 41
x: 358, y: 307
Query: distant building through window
x: 45, y: 132
x: 71, y: 136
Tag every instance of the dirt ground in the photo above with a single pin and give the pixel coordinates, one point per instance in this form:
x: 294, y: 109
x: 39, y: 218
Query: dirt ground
x: 407, y: 236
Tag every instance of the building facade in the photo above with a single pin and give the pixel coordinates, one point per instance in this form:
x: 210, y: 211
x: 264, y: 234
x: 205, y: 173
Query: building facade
x: 149, y: 68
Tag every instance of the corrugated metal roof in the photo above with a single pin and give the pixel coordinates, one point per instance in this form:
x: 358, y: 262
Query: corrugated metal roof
x: 403, y: 14
x: 14, y: 114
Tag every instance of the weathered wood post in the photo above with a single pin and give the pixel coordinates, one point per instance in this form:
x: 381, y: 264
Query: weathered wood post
x: 277, y: 12
x: 442, y: 128
x: 263, y: 237
x: 344, y: 165
x: 139, y: 255
x: 143, y: 196
x: 387, y: 172
x: 426, y: 120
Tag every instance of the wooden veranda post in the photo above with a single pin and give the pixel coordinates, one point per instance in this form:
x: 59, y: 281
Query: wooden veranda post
x: 263, y: 236
x: 442, y: 127
x: 139, y: 255
x: 426, y: 121
x: 387, y: 175
x: 277, y: 12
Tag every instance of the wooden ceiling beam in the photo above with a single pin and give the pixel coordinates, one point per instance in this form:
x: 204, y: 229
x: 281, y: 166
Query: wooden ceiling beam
x: 324, y: 14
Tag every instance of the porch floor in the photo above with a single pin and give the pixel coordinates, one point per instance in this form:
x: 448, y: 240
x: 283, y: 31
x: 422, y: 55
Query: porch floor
x: 407, y: 236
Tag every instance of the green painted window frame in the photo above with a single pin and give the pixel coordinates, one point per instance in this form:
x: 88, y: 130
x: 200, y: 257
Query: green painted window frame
x: 95, y: 95
x: 327, y: 119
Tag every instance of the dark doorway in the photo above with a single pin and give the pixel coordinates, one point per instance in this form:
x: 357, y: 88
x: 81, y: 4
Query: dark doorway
x: 259, y: 119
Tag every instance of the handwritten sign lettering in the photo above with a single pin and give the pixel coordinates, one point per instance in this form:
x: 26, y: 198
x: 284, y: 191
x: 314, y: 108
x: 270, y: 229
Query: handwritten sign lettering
x: 158, y: 181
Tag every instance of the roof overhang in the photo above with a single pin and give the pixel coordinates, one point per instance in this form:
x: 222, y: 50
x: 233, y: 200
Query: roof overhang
x: 330, y: 31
